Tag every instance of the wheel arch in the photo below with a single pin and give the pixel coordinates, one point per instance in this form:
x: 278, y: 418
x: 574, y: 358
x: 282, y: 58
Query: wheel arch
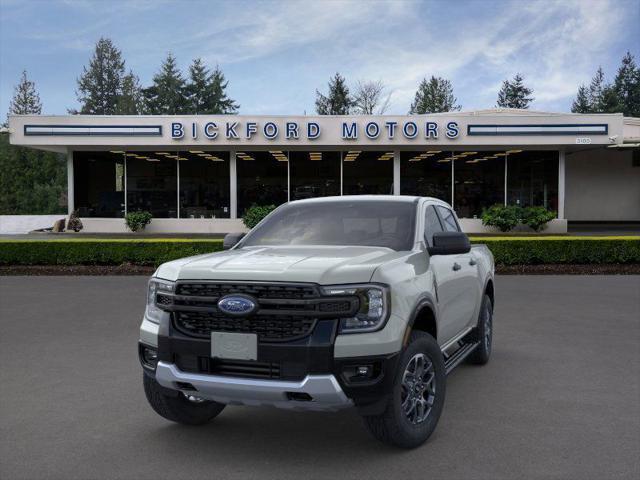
x: 490, y: 291
x: 423, y: 318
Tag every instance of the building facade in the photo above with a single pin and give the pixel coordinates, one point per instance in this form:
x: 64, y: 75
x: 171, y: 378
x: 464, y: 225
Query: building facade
x: 200, y: 173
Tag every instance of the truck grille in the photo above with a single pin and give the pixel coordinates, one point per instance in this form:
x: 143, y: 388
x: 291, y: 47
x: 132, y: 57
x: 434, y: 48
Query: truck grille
x: 268, y: 327
x: 285, y: 311
x: 232, y: 368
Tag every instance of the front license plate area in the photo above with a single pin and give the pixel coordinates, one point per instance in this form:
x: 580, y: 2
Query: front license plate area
x: 234, y: 346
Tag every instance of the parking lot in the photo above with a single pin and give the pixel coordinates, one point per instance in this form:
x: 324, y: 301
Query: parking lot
x: 560, y: 397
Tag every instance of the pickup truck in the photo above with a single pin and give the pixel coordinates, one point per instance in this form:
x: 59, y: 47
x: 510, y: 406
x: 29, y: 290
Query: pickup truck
x: 328, y: 303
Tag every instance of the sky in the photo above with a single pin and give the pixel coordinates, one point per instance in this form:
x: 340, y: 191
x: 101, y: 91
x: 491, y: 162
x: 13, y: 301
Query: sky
x: 275, y: 54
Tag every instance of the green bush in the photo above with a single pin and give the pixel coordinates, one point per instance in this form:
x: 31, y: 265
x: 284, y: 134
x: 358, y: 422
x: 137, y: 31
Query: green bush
x: 507, y: 217
x: 255, y: 214
x: 102, y: 252
x: 137, y: 220
x: 536, y: 217
x: 504, y: 218
x: 506, y: 250
x: 564, y: 250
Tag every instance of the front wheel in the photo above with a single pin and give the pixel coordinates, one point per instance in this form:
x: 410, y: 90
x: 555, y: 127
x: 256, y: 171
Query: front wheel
x: 180, y: 408
x: 418, y: 395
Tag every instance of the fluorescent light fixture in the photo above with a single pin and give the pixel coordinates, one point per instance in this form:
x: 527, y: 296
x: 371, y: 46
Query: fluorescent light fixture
x: 196, y: 151
x: 152, y: 160
x: 434, y: 151
x: 116, y: 151
x: 141, y: 157
x: 514, y: 151
x: 131, y: 154
x: 162, y: 153
x: 444, y: 160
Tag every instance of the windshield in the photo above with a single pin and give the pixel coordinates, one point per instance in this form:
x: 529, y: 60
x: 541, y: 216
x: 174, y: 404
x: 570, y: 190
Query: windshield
x: 367, y: 223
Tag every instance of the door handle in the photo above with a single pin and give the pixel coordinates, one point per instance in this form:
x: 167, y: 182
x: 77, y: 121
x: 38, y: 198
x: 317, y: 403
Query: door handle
x: 472, y: 262
x: 456, y: 267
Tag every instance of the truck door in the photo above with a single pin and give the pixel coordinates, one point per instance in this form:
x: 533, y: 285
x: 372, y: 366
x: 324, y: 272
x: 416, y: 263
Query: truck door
x: 455, y: 276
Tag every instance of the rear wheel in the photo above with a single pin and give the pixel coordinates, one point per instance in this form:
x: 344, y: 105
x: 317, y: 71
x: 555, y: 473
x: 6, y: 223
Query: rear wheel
x: 180, y: 408
x: 418, y: 395
x: 484, y: 333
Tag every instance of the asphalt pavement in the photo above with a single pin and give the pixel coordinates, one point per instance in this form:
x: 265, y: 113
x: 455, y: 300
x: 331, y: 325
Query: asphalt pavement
x: 560, y: 397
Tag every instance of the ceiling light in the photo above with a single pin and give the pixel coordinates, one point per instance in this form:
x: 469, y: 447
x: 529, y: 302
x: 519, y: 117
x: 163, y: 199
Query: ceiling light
x: 162, y: 153
x: 514, y: 151
x: 434, y: 151
x: 131, y: 154
x: 152, y: 160
x: 141, y: 157
x: 116, y: 151
x: 444, y: 160
x: 196, y: 151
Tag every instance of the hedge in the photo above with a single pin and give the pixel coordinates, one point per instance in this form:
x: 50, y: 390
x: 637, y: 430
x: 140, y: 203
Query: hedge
x: 102, y: 252
x: 506, y: 250
x: 562, y: 249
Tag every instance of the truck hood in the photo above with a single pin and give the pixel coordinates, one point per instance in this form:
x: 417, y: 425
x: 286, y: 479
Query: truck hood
x: 325, y: 265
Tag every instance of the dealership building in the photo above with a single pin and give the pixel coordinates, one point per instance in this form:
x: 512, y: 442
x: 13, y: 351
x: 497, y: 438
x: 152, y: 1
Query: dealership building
x: 200, y: 173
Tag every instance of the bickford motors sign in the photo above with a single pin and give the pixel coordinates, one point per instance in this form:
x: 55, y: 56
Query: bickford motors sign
x: 294, y: 130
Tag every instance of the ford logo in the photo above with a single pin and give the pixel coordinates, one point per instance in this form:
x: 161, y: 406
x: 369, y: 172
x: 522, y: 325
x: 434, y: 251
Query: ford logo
x: 237, y: 305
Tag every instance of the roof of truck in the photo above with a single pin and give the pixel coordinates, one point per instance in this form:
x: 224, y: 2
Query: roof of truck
x: 369, y: 198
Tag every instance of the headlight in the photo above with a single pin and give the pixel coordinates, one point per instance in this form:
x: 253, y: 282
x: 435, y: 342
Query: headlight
x: 373, y: 311
x: 153, y: 312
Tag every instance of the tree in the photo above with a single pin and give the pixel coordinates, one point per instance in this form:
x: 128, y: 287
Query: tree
x: 206, y: 92
x: 370, y: 98
x: 434, y: 95
x: 514, y: 94
x: 627, y: 86
x: 31, y: 181
x: 100, y: 85
x: 338, y: 101
x: 581, y: 104
x: 130, y: 101
x: 167, y: 95
x: 25, y: 99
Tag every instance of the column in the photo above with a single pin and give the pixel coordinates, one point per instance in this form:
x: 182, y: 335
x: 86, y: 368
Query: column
x: 396, y: 172
x: 561, y: 176
x: 70, y: 183
x: 233, y: 184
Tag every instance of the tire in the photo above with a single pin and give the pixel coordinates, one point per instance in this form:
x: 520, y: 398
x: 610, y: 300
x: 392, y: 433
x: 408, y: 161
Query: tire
x: 178, y: 408
x: 394, y: 426
x: 484, y: 333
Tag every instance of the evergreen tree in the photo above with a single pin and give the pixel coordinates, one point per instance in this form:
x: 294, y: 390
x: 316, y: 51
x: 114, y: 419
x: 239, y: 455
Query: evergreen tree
x: 596, y: 91
x: 433, y: 96
x: 627, y: 86
x: 130, y: 101
x: 167, y: 95
x: 218, y: 101
x: 25, y: 99
x: 206, y: 91
x: 514, y: 94
x: 100, y: 85
x: 338, y: 101
x: 581, y: 104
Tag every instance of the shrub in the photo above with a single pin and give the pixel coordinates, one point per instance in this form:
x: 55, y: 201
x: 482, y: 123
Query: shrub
x: 506, y: 250
x: 74, y: 223
x: 504, y: 218
x: 536, y: 217
x: 255, y: 214
x: 137, y: 220
x: 75, y: 251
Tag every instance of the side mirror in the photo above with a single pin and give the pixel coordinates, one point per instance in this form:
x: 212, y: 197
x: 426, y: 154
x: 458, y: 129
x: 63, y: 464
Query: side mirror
x: 449, y: 243
x: 231, y: 239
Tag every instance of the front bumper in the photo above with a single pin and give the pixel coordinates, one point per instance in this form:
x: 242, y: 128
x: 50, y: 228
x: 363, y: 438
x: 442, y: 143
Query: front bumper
x: 314, y: 392
x: 299, y: 374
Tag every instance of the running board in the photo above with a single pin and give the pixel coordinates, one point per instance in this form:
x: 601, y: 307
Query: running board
x: 456, y: 358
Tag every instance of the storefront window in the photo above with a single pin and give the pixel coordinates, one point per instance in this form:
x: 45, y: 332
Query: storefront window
x: 314, y: 174
x: 204, y: 184
x: 367, y: 172
x: 478, y: 181
x: 262, y: 178
x: 532, y: 178
x: 99, y: 184
x: 426, y: 173
x: 152, y: 183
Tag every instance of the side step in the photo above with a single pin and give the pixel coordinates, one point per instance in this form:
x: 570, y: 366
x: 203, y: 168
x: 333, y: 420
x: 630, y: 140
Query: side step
x: 453, y: 360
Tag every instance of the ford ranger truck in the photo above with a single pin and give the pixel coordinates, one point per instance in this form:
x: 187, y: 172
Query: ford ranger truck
x: 364, y: 302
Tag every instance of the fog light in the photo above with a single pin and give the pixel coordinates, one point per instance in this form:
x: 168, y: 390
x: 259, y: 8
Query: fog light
x: 149, y: 356
x: 363, y: 371
x: 359, y: 373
